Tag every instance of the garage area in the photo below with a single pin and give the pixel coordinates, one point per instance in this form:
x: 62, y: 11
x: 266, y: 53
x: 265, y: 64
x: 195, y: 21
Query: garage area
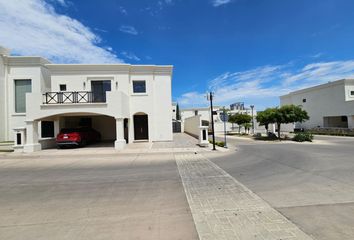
x: 104, y: 125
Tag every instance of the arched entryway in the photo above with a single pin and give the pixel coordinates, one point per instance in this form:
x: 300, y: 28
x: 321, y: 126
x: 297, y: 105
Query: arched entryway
x: 141, y: 126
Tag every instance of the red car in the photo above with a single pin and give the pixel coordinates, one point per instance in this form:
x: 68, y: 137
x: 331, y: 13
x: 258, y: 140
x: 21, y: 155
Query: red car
x: 77, y: 136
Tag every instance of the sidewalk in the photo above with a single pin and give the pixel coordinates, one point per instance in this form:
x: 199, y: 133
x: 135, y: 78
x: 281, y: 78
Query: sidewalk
x: 223, y: 208
x: 182, y: 143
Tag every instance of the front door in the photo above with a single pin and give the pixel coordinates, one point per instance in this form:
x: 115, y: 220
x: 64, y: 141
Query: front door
x: 141, y: 130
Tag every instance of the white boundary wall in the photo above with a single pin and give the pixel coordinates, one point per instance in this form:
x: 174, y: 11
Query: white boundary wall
x: 192, y: 124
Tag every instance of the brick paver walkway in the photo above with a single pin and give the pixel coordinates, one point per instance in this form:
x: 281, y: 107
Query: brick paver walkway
x: 223, y: 208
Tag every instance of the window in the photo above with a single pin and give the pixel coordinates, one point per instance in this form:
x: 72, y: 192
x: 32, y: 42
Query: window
x: 21, y: 88
x: 304, y: 100
x: 352, y: 93
x: 173, y: 110
x: 99, y: 89
x: 62, y: 87
x: 47, y: 129
x: 139, y: 87
x: 195, y: 112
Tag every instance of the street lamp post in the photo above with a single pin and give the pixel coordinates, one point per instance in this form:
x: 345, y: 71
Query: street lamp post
x: 252, y: 107
x: 225, y: 118
x: 210, y: 97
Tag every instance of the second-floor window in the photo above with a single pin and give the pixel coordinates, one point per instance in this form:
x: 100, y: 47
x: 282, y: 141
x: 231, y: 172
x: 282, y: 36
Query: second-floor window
x: 62, y: 87
x: 139, y: 87
x: 22, y: 87
x: 99, y: 89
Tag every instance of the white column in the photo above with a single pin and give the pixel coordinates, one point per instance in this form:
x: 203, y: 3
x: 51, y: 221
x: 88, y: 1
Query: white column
x: 56, y: 127
x: 350, y: 121
x: 131, y: 130
x: 120, y: 143
x: 32, y: 143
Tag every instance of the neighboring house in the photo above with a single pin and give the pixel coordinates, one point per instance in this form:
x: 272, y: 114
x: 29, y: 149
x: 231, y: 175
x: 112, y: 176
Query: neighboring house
x: 124, y: 102
x: 205, y: 116
x: 203, y: 112
x: 329, y: 105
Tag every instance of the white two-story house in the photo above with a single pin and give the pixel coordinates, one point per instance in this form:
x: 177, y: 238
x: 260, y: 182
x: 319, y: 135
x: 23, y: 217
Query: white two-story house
x: 125, y: 103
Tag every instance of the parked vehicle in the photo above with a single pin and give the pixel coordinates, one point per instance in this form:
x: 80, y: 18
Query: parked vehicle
x: 77, y: 137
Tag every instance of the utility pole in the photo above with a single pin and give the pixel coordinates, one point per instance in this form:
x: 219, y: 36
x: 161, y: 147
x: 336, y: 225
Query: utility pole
x: 252, y: 106
x: 210, y: 96
x: 225, y: 119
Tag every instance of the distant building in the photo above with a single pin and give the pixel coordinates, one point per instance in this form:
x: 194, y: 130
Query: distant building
x: 329, y: 105
x: 205, y: 114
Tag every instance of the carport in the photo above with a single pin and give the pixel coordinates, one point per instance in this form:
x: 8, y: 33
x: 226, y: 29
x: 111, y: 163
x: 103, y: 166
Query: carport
x: 49, y: 127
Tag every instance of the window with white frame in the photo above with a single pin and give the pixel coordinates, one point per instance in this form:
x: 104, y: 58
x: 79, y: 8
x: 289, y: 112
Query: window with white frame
x: 22, y: 87
x: 139, y: 86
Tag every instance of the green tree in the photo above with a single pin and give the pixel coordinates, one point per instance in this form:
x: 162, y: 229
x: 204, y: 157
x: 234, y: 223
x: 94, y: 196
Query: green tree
x: 266, y: 117
x: 247, y: 127
x: 232, y: 120
x: 178, y: 113
x: 289, y: 114
x: 283, y: 115
x: 240, y: 119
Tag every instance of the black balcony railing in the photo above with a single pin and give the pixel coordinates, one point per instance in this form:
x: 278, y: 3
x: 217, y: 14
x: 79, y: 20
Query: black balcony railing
x: 72, y: 97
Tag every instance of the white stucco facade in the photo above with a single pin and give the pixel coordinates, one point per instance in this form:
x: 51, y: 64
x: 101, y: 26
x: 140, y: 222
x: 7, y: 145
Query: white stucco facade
x: 329, y: 105
x: 205, y: 115
x: 63, y: 91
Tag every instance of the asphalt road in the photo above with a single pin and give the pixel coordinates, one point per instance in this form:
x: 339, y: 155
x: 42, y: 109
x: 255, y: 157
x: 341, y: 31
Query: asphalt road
x: 309, y: 183
x: 93, y: 197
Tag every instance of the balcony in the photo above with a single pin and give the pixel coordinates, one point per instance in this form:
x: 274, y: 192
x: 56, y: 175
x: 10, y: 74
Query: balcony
x: 73, y: 97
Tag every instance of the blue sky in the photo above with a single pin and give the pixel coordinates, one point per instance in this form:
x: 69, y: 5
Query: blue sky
x: 243, y: 50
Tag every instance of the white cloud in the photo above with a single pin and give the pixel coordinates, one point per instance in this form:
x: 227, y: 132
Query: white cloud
x: 62, y: 2
x: 217, y: 3
x: 128, y: 29
x: 130, y: 56
x: 262, y: 86
x: 123, y: 10
x: 32, y: 27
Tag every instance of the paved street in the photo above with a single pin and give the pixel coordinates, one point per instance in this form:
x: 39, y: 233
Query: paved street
x: 263, y: 190
x: 310, y: 183
x: 224, y: 209
x: 93, y: 197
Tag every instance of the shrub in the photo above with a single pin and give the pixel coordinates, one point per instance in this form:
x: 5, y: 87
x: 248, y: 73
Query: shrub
x: 220, y: 144
x: 258, y: 135
x: 303, y: 136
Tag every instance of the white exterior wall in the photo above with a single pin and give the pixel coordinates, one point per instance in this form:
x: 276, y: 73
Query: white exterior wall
x: 204, y: 114
x: 16, y: 120
x: 3, y: 111
x: 327, y: 100
x: 174, y: 111
x: 218, y: 124
x: 121, y: 103
x: 192, y: 125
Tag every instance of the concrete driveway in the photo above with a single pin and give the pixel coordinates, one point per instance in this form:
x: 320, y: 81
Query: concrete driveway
x: 310, y: 183
x: 93, y: 197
